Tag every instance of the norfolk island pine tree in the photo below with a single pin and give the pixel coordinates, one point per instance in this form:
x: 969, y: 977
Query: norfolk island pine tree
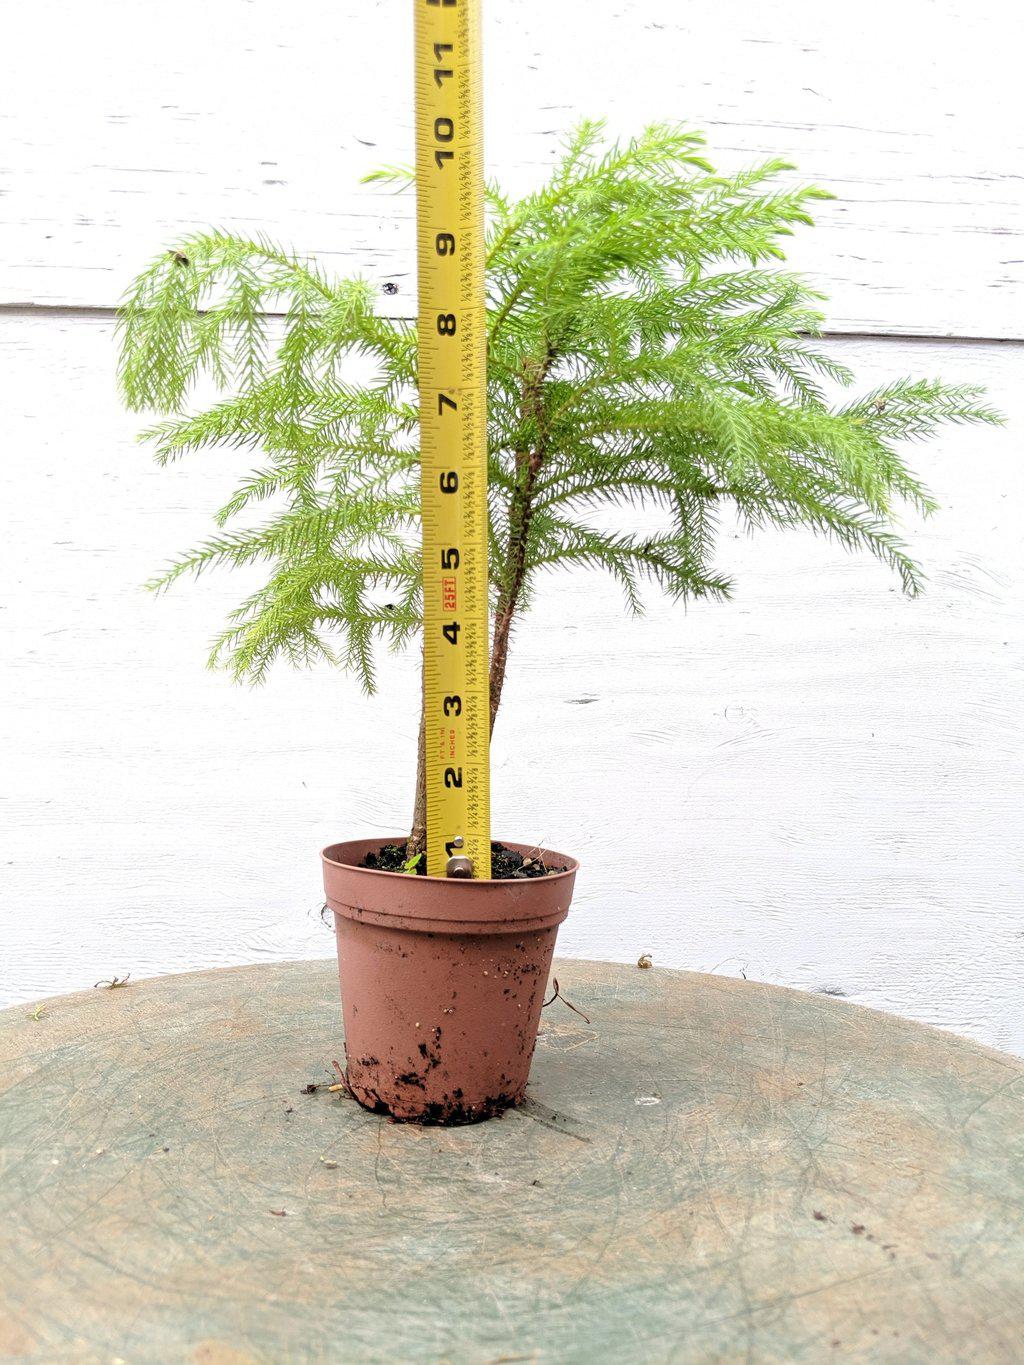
x: 644, y: 348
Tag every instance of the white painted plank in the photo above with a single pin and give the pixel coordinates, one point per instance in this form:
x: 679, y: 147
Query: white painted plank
x: 125, y: 125
x: 818, y: 785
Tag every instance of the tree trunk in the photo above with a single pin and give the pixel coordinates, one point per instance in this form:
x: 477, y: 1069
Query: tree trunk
x: 503, y: 618
x: 528, y: 465
x: 508, y: 601
x: 499, y: 656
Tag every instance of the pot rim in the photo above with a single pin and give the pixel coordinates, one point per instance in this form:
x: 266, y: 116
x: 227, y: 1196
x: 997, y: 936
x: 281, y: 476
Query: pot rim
x: 455, y: 883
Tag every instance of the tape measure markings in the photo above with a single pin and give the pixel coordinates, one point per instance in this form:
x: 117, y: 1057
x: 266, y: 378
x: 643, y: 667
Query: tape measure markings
x: 453, y: 430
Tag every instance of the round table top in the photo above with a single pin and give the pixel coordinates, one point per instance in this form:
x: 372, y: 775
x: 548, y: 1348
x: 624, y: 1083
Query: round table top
x: 708, y: 1169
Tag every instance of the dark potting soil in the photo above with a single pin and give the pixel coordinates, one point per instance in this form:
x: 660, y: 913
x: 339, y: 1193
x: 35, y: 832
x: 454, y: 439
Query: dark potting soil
x: 506, y: 863
x: 447, y: 1113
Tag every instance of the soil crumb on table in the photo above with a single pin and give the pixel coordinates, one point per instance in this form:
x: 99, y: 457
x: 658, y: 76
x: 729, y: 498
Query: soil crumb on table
x: 506, y: 863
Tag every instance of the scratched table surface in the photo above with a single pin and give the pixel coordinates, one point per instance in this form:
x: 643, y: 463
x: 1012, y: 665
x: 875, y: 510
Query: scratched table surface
x: 707, y: 1169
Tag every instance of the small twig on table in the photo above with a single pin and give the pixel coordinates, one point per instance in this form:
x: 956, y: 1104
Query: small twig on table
x: 557, y: 995
x: 342, y: 1082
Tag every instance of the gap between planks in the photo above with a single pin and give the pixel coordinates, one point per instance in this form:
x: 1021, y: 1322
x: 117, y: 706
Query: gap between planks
x: 109, y: 313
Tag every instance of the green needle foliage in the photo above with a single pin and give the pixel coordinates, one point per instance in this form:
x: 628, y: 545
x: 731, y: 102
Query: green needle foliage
x: 644, y: 349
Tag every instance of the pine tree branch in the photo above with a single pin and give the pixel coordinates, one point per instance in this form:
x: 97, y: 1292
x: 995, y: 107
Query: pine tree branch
x: 645, y: 352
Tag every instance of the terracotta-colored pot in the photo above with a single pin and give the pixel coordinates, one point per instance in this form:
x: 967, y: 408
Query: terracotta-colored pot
x: 442, y: 982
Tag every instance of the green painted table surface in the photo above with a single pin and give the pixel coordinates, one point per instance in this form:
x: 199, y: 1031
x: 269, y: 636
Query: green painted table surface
x: 709, y: 1170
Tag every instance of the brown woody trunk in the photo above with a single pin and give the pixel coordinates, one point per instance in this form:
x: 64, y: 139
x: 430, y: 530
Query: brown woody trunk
x: 499, y: 655
x: 528, y: 464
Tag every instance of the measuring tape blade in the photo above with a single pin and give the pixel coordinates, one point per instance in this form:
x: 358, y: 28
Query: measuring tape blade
x: 453, y: 430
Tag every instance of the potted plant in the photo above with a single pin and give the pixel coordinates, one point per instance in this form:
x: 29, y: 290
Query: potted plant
x: 644, y: 348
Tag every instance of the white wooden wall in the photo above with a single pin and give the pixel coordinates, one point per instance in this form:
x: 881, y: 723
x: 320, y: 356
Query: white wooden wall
x: 818, y: 785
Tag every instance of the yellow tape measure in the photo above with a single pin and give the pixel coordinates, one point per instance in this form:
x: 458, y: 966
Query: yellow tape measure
x: 453, y: 432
